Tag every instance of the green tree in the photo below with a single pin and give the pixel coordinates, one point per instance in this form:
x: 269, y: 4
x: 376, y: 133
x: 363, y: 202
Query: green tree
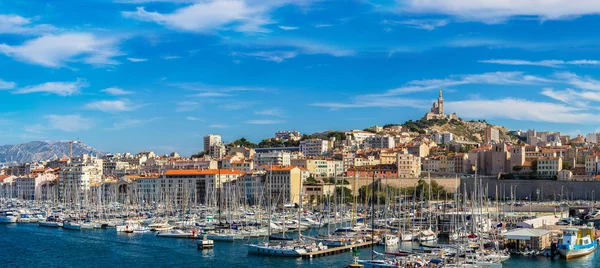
x: 517, y: 168
x: 347, y: 193
x: 243, y: 142
x: 311, y: 180
x: 566, y: 165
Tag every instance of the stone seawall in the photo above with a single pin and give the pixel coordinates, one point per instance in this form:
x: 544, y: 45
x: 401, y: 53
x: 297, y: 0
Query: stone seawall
x: 547, y: 190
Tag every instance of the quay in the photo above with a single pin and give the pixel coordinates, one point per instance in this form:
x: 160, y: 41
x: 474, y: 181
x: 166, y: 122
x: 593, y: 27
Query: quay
x: 335, y: 250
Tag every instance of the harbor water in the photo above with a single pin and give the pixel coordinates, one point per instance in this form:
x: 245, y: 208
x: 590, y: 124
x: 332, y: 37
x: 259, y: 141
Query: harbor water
x: 28, y: 245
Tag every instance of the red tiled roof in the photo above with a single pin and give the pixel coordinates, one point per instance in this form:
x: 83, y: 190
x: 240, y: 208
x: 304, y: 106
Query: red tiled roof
x: 203, y: 172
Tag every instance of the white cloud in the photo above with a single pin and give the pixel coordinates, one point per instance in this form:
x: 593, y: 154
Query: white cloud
x: 69, y: 123
x: 14, y: 24
x: 276, y: 56
x: 270, y: 112
x: 56, y: 50
x: 57, y: 88
x: 191, y: 118
x: 37, y: 128
x: 7, y: 84
x: 288, y: 28
x: 115, y: 91
x: 582, y: 82
x: 493, y: 78
x: 170, y: 57
x: 218, y: 126
x: 570, y: 96
x: 137, y: 59
x: 186, y: 106
x: 425, y: 24
x: 287, y: 49
x: 545, y: 63
x: 322, y: 25
x: 374, y: 101
x: 130, y: 123
x: 388, y: 99
x: 111, y: 106
x: 264, y: 122
x: 209, y: 94
x: 524, y: 110
x: 210, y: 15
x: 494, y: 11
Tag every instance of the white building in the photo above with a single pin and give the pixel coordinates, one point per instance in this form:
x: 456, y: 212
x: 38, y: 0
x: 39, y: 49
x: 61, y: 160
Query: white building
x: 280, y: 158
x: 592, y: 137
x: 409, y: 166
x: 217, y: 150
x: 75, y: 179
x: 314, y: 147
x: 211, y: 140
x: 379, y: 141
x: 443, y: 138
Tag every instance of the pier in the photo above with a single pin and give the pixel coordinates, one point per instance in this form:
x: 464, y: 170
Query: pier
x: 335, y: 250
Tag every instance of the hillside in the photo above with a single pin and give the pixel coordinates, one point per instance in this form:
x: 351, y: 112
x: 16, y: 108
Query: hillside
x: 41, y: 150
x: 461, y: 130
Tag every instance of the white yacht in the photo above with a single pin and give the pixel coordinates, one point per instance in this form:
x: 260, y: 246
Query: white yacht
x: 8, y: 217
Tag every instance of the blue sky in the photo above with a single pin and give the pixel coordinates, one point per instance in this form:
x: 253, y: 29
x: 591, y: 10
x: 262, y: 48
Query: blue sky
x: 133, y: 75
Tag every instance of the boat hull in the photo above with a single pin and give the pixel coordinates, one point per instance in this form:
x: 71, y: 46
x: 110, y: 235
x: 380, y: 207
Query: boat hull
x: 284, y: 252
x: 9, y: 219
x: 576, y: 253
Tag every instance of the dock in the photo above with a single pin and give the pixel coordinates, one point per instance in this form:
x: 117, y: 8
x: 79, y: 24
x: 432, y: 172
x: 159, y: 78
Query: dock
x: 335, y: 250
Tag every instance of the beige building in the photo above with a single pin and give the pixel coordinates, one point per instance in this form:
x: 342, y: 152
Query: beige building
x: 432, y: 164
x: 284, y: 183
x: 420, y: 150
x: 409, y: 166
x: 591, y: 165
x: 565, y: 175
x: 549, y: 166
x: 317, y: 168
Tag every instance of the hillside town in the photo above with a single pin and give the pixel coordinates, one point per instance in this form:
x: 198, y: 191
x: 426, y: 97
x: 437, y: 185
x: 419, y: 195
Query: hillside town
x: 307, y: 163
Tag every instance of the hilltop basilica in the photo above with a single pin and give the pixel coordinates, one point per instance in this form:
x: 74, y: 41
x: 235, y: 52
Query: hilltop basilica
x: 437, y: 111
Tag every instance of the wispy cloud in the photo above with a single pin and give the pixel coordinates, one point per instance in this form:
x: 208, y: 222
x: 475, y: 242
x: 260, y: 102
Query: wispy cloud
x: 581, y: 82
x: 322, y: 25
x: 219, y: 126
x: 115, y: 91
x: 288, y: 28
x: 131, y: 123
x: 271, y: 112
x: 14, y: 24
x: 278, y: 50
x: 7, y: 84
x: 56, y: 50
x: 170, y: 57
x: 388, y: 98
x: 523, y: 110
x: 264, y: 122
x: 276, y: 56
x: 191, y: 118
x: 544, y: 63
x: 209, y: 94
x: 137, y: 59
x: 208, y: 16
x: 425, y: 24
x: 113, y: 106
x: 186, y: 106
x: 498, y: 11
x: 57, y: 88
x: 69, y: 123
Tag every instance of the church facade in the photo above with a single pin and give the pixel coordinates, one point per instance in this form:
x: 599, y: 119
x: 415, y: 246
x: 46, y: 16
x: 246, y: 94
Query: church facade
x: 437, y: 111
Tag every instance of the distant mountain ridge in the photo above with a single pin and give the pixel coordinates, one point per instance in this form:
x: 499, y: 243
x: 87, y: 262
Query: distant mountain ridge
x: 42, y: 150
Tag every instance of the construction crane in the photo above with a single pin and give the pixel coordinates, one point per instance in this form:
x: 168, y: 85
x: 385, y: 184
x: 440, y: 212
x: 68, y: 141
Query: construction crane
x: 71, y: 148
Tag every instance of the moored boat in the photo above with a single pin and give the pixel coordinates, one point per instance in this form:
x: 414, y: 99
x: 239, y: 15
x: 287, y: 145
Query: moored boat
x: 577, y: 242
